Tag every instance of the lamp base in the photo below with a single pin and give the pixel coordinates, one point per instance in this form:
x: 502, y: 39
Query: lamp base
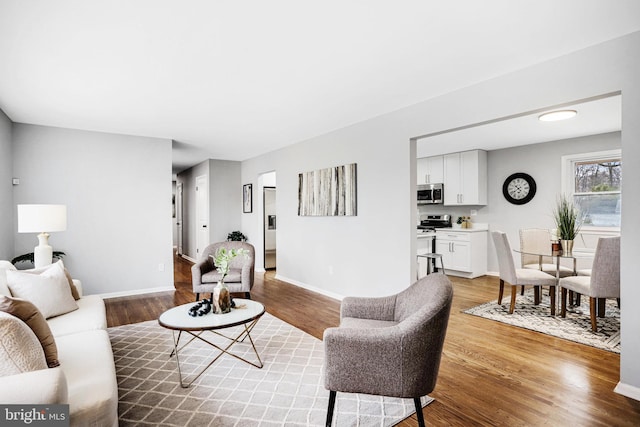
x: 43, y: 253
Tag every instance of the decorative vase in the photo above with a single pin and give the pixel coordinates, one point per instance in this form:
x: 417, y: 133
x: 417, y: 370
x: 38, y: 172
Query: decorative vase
x: 567, y: 246
x: 221, y: 299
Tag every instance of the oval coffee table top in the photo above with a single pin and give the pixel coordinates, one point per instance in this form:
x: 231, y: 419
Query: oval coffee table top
x: 178, y: 317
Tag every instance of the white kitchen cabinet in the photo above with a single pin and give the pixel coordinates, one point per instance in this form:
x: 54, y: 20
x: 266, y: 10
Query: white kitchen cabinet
x: 464, y: 252
x: 465, y: 178
x: 430, y: 170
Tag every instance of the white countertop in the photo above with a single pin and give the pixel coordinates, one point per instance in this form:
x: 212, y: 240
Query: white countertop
x: 477, y: 227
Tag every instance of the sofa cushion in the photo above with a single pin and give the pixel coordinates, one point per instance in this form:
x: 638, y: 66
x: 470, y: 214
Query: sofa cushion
x: 72, y: 285
x: 87, y: 361
x: 5, y: 265
x: 49, y: 290
x: 29, y: 314
x: 91, y: 315
x: 20, y: 350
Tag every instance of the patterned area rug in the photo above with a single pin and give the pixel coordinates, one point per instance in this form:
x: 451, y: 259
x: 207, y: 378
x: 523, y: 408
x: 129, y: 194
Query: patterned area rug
x: 287, y: 391
x: 575, y: 327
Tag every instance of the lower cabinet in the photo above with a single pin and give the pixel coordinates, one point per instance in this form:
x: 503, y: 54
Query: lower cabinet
x: 464, y: 253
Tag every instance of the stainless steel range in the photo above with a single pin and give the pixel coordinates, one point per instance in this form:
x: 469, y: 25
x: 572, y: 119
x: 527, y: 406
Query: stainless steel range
x: 427, y: 237
x: 431, y: 222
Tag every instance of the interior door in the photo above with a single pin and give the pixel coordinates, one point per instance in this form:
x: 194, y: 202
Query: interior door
x: 202, y: 214
x: 179, y: 217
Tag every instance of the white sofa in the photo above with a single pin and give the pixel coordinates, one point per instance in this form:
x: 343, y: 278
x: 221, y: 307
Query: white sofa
x: 86, y: 377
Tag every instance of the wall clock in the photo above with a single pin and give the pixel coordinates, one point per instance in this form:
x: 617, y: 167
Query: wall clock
x: 519, y: 188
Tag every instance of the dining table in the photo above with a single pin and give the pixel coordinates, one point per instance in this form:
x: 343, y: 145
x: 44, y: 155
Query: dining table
x: 557, y: 256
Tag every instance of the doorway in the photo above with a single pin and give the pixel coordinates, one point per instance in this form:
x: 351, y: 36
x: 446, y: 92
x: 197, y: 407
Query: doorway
x: 269, y: 227
x: 202, y: 214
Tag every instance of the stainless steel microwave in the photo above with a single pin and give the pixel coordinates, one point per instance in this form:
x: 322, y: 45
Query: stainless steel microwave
x: 430, y: 194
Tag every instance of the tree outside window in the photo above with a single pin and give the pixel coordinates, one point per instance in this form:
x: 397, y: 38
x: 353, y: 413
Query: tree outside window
x: 596, y: 191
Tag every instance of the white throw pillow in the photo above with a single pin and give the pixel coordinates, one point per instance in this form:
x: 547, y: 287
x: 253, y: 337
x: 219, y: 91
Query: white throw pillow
x: 20, y: 350
x: 48, y: 291
x: 5, y: 265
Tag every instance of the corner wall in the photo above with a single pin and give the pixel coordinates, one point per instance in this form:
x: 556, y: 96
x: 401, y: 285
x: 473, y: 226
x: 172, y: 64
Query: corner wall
x: 117, y: 190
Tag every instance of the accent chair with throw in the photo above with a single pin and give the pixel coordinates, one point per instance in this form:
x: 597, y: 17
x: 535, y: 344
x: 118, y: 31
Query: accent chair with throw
x: 603, y: 283
x: 205, y: 277
x: 389, y: 346
x: 520, y: 276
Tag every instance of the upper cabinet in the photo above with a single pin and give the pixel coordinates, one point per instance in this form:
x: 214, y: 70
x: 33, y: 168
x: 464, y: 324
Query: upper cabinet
x: 430, y: 170
x: 465, y: 178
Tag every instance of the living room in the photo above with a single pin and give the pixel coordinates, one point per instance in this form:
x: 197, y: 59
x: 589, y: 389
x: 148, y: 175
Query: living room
x: 117, y: 187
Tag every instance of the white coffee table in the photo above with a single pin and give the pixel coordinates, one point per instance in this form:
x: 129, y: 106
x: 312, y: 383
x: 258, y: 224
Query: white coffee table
x: 247, y: 313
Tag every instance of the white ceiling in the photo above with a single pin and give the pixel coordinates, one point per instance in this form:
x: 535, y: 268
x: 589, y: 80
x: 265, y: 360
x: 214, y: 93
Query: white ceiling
x: 236, y: 79
x: 594, y: 117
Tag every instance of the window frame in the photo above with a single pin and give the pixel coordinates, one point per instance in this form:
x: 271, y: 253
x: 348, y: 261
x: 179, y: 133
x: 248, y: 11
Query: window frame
x: 568, y: 179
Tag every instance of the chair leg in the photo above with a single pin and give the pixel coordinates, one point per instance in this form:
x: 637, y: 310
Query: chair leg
x: 592, y: 308
x: 332, y: 404
x: 247, y: 295
x: 500, y: 292
x: 601, y: 306
x: 577, y: 299
x: 419, y: 414
x: 197, y: 296
x: 552, y: 296
x: 537, y: 290
x: 618, y: 299
x: 563, y: 302
x: 522, y: 290
x: 514, y: 291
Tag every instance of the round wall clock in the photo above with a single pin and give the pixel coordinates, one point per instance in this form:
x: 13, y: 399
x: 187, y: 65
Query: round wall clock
x: 519, y: 188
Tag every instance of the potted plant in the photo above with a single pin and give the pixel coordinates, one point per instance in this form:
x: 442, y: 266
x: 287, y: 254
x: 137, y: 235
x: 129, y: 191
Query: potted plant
x: 220, y: 297
x: 236, y: 236
x: 568, y: 223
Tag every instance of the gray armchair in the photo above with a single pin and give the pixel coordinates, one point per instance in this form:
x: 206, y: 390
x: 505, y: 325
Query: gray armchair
x: 205, y: 277
x: 389, y: 346
x: 603, y: 283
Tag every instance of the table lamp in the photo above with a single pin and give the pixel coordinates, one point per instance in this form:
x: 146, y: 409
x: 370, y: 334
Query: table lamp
x: 42, y: 219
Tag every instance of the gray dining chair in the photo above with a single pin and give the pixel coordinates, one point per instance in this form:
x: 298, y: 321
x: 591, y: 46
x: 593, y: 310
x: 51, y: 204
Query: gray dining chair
x: 515, y: 277
x: 538, y: 240
x: 603, y: 283
x: 389, y: 346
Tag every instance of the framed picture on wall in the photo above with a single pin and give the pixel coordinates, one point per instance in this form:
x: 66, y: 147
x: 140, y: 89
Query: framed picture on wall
x: 247, y: 204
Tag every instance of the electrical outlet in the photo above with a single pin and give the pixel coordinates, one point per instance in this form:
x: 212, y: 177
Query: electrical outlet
x: 474, y: 212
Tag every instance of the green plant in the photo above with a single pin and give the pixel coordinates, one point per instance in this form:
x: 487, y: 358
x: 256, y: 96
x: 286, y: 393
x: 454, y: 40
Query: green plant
x: 566, y: 216
x: 29, y: 257
x: 223, y: 258
x: 236, y: 236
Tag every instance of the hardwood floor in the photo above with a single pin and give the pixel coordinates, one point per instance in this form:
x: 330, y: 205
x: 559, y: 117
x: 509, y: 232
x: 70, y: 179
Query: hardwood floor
x: 491, y: 374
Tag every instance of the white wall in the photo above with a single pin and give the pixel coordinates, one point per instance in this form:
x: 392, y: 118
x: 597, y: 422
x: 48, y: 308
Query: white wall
x: 6, y: 190
x: 373, y: 252
x: 118, y: 194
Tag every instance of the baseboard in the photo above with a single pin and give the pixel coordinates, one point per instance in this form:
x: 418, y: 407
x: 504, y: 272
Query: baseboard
x: 310, y: 288
x: 628, y: 391
x: 136, y: 292
x: 188, y: 258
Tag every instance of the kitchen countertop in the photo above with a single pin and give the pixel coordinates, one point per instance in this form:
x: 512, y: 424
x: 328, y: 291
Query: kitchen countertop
x: 477, y: 227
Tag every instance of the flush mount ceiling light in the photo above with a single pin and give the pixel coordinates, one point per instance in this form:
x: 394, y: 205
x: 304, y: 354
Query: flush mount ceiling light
x: 554, y: 116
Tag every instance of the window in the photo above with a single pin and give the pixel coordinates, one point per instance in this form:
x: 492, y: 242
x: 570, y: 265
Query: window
x: 593, y: 180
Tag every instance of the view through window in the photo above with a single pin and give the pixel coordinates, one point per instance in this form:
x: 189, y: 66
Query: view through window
x: 596, y: 190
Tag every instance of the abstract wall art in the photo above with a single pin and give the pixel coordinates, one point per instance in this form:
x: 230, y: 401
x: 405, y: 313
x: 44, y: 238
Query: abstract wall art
x: 328, y: 192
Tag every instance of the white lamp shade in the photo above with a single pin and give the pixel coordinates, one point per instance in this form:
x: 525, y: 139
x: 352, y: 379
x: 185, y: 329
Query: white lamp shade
x: 41, y: 218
